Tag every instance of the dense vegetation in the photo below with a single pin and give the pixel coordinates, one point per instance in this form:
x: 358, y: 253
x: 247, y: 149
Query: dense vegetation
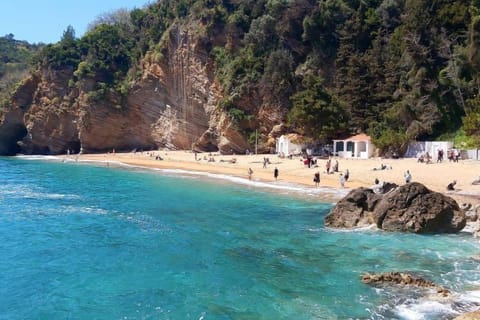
x: 397, y: 69
x: 15, y: 63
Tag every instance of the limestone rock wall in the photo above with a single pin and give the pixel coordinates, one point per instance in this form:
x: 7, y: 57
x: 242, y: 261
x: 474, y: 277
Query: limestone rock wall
x: 173, y: 105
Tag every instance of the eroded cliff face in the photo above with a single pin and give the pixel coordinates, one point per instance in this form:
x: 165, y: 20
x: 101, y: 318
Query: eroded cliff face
x: 173, y: 105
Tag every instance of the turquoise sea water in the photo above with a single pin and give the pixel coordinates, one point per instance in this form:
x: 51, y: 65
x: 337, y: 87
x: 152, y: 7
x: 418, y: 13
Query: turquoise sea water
x: 84, y: 241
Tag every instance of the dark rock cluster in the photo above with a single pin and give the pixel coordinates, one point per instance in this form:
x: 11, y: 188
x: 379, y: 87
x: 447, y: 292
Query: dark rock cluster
x: 408, y: 208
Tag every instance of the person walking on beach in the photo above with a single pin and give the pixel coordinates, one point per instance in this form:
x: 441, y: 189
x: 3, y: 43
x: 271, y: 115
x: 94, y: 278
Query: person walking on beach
x: 275, y: 173
x: 250, y: 173
x: 408, y: 177
x: 327, y: 166
x: 316, y: 178
x: 347, y: 175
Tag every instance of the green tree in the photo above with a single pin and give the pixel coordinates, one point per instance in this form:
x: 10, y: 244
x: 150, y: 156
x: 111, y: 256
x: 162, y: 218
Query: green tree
x: 315, y: 112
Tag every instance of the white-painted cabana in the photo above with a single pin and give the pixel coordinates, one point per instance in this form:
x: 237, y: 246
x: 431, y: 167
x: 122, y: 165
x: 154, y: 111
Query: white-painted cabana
x: 359, y: 146
x: 289, y: 144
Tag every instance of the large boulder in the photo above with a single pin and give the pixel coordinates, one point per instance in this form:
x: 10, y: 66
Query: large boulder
x: 354, y: 210
x: 414, y: 208
x: 408, y: 208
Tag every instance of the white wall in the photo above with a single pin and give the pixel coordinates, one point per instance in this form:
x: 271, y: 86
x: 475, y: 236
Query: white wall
x: 286, y: 147
x: 432, y: 148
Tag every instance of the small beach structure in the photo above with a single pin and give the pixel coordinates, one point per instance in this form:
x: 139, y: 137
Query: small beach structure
x: 418, y: 148
x: 358, y: 146
x: 289, y: 144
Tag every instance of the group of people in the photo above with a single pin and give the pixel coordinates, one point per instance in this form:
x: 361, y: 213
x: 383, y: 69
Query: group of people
x: 425, y: 158
x: 265, y: 162
x: 316, y: 177
x: 452, y: 154
x: 450, y: 186
x: 275, y: 173
x: 343, y: 178
x: 329, y: 169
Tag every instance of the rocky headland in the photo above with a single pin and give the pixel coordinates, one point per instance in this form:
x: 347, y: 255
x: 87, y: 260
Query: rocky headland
x: 173, y: 104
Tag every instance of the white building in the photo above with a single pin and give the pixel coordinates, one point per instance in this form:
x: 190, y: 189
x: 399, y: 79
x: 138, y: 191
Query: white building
x: 418, y: 148
x: 359, y: 146
x: 289, y: 144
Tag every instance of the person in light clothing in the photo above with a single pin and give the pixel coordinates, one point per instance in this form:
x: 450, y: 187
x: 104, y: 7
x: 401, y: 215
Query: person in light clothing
x: 408, y: 177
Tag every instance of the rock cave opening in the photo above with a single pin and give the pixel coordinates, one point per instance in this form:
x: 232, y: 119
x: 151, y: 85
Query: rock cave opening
x: 73, y: 146
x: 9, y: 138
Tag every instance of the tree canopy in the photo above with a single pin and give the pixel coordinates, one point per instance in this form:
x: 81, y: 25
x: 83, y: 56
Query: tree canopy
x: 397, y: 69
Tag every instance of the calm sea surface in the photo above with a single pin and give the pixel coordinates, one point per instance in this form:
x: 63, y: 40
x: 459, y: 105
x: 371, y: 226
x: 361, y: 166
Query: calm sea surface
x: 82, y: 241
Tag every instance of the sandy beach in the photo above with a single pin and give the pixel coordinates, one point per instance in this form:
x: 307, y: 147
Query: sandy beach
x: 435, y: 176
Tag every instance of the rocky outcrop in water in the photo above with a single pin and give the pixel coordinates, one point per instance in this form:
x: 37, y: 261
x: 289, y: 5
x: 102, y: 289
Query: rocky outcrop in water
x: 173, y: 104
x: 408, y: 208
x: 472, y: 213
x: 354, y: 210
x: 403, y: 279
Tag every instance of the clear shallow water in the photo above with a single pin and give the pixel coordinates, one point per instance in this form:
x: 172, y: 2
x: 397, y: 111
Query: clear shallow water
x: 91, y: 242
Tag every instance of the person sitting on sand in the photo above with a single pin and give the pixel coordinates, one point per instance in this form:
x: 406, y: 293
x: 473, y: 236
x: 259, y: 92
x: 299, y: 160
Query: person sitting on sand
x: 383, y: 167
x: 428, y: 158
x: 451, y: 185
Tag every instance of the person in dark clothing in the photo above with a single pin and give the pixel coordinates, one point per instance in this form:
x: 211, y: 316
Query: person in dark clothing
x: 451, y: 185
x: 316, y: 178
x: 275, y: 173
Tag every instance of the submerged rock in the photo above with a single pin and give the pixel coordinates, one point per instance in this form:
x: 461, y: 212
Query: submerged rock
x: 408, y: 208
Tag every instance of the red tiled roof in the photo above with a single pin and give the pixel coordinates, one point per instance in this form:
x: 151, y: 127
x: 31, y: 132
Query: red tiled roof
x: 359, y: 137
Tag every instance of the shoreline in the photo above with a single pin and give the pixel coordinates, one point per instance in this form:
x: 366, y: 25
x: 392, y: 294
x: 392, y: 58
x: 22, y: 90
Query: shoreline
x: 292, y: 172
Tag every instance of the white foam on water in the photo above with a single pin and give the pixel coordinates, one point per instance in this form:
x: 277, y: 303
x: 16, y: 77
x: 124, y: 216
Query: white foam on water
x: 471, y: 296
x: 84, y: 210
x: 424, y: 309
x: 332, y: 193
x: 38, y: 157
x: 371, y: 227
x: 24, y: 191
x: 434, y: 307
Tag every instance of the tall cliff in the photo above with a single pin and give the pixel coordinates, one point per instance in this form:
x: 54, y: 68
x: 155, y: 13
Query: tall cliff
x: 173, y: 104
x: 215, y: 75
